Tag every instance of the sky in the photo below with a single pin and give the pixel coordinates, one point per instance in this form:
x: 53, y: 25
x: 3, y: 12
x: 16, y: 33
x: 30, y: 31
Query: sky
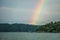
x: 20, y: 11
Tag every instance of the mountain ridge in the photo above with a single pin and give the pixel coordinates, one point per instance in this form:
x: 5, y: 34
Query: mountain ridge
x: 5, y: 27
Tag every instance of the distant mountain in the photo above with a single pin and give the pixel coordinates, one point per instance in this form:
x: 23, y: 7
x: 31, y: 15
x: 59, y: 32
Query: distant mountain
x: 4, y: 27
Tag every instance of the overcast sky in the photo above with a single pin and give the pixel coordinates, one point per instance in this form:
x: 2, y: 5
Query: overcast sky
x: 20, y: 11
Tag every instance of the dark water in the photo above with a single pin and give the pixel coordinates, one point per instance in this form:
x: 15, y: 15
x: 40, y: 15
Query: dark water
x: 28, y: 36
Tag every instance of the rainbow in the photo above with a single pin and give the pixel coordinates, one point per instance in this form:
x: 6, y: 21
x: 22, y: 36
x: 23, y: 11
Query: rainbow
x: 37, y: 11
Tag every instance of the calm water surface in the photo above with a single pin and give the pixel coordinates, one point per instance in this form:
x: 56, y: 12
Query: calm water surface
x: 28, y: 36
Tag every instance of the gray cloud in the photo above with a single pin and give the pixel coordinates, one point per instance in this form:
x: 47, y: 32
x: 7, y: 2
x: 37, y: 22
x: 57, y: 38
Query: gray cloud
x: 51, y: 12
x: 14, y: 15
x: 21, y: 12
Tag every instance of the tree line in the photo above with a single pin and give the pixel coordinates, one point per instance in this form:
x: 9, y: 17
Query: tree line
x: 50, y: 27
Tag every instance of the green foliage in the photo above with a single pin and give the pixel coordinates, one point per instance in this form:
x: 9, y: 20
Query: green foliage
x: 50, y: 27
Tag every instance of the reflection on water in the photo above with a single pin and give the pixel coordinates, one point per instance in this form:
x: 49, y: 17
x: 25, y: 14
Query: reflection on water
x: 28, y: 36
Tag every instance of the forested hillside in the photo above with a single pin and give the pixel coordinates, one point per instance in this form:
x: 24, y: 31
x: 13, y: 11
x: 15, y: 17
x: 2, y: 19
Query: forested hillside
x: 50, y: 27
x: 53, y: 27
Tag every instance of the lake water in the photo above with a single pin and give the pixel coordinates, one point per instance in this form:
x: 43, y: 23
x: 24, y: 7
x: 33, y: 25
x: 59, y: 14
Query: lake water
x: 28, y: 36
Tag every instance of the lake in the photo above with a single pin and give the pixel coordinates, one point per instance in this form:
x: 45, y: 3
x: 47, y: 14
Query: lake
x: 29, y: 36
